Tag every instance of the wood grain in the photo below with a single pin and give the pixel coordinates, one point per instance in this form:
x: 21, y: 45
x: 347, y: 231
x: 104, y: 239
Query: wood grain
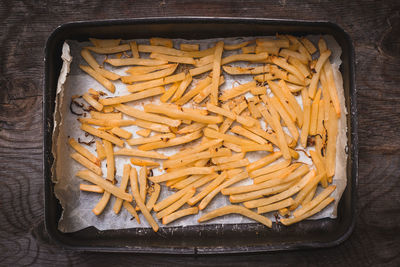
x: 374, y: 27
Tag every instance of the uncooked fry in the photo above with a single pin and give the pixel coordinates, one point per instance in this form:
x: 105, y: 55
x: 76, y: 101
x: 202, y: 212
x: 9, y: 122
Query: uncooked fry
x: 332, y: 128
x: 83, y: 151
x: 93, y: 102
x: 121, y: 133
x: 310, y: 205
x: 182, y: 88
x: 276, y: 206
x: 235, y: 179
x: 131, y: 210
x: 317, y: 160
x: 105, y: 42
x: 216, y: 71
x: 236, y: 209
x: 315, y: 210
x: 285, y: 194
x: 270, y: 168
x: 308, y: 45
x: 189, y: 47
x: 91, y: 188
x: 175, y: 206
x: 102, y: 134
x: 199, y: 87
x: 109, y: 50
x: 179, y: 214
x: 236, y: 91
x: 196, y: 149
x: 232, y: 165
x: 151, y: 139
x: 124, y: 184
x: 106, y: 116
x: 157, y: 82
x: 181, y: 172
x: 301, y: 171
x: 193, y: 200
x: 172, y: 142
x: 139, y: 153
x: 314, y: 114
x: 139, y: 114
x: 139, y: 202
x: 93, y: 63
x: 227, y: 137
x: 149, y: 76
x: 143, y: 132
x: 134, y: 49
x: 132, y: 97
x: 107, y: 186
x: 161, y: 41
x: 153, y: 197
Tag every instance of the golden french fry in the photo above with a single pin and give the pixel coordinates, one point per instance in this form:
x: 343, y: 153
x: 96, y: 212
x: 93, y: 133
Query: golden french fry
x: 318, y: 67
x: 175, y: 206
x: 271, y: 168
x: 284, y: 43
x: 86, y: 163
x: 237, y: 46
x: 317, y: 160
x: 154, y: 138
x: 102, y: 134
x: 314, y: 114
x: 182, y: 88
x: 153, y: 197
x: 175, y: 59
x: 232, y: 165
x: 264, y: 161
x: 142, y: 162
x: 124, y: 184
x: 121, y: 133
x: 93, y: 102
x: 138, y: 70
x: 181, y: 172
x: 222, y: 160
x: 289, y: 67
x: 332, y: 128
x: 109, y: 49
x: 176, y: 163
x: 192, y: 93
x: 196, y: 149
x: 308, y: 45
x: 190, y: 47
x: 305, y: 190
x: 101, y: 153
x: 206, y: 91
x: 132, y: 97
x: 313, y: 203
x: 288, y: 96
x: 170, y: 199
x: 134, y: 49
x: 105, y: 42
x: 249, y: 49
x: 143, y: 132
x: 278, y: 92
x: 139, y: 153
x: 179, y: 214
x: 276, y: 206
x: 91, y: 188
x: 301, y: 171
x: 172, y: 142
x: 287, y: 53
x: 285, y: 117
x: 156, y: 127
x: 118, y: 62
x: 155, y: 83
x: 333, y: 93
x: 161, y: 41
x: 131, y: 210
x: 83, y: 151
x: 107, y: 124
x: 226, y: 137
x: 149, y: 76
x: 238, y: 90
x: 216, y: 71
x: 193, y: 200
x: 98, y: 77
x: 106, y: 116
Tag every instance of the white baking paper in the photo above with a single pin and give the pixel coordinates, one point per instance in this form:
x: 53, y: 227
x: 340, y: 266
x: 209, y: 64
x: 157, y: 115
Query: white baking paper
x: 77, y: 206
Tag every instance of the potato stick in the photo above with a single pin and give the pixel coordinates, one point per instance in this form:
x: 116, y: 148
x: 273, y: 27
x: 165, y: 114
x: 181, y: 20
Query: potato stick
x: 109, y: 50
x: 192, y: 93
x: 182, y: 88
x: 226, y: 137
x: 139, y: 202
x: 181, y: 172
x: 91, y: 188
x: 161, y: 41
x: 157, y: 82
x: 276, y: 206
x: 189, y: 47
x: 246, y: 133
x: 238, y: 90
x: 292, y: 101
x: 289, y: 67
x: 308, y: 45
x: 235, y: 179
x: 236, y: 209
x: 220, y: 111
x: 179, y: 214
x: 285, y: 117
x: 246, y: 70
x: 83, y: 151
x: 257, y: 147
x: 232, y: 165
x: 105, y: 42
x: 124, y: 185
x: 134, y: 49
x: 171, y: 90
x: 93, y: 102
x: 131, y: 210
x: 191, y: 128
x: 139, y: 70
x: 319, y: 164
x: 310, y: 195
x: 270, y: 137
x: 271, y: 168
x: 307, y: 119
x: 255, y: 113
x: 139, y: 114
x: 121, y: 133
x: 99, y: 78
x: 260, y: 57
x: 294, y: 88
x: 200, y: 70
x: 110, y: 160
x: 186, y: 182
x: 274, y: 120
x: 305, y: 190
x: 101, y: 134
x: 196, y: 149
x: 119, y: 62
x: 176, y: 205
x: 142, y: 184
x: 300, y: 66
x: 139, y: 153
x: 156, y: 127
x: 101, y: 153
x: 272, y: 42
x: 204, y: 60
x: 232, y: 172
x: 234, y: 147
x: 142, y: 162
x: 287, y: 53
x: 301, y: 171
x: 143, y: 132
x: 237, y: 46
x: 189, y: 110
x: 222, y: 160
x: 174, y: 112
x: 216, y: 71
x: 313, y: 203
x: 107, y: 116
x: 107, y: 186
x: 132, y: 97
x: 170, y: 183
x: 264, y: 161
x: 172, y: 142
x: 206, y: 91
x: 269, y: 50
x: 226, y: 124
x: 149, y: 76
x: 249, y: 49
x: 309, y: 213
x: 170, y: 199
x: 284, y: 212
x: 107, y: 124
x: 332, y: 87
x: 282, y: 99
x: 285, y: 194
x: 216, y: 182
x: 153, y: 197
x: 175, y: 59
x: 94, y: 65
x: 161, y: 50
x: 175, y: 163
x: 332, y: 128
x: 318, y: 67
x: 154, y: 138
x: 314, y: 114
x: 108, y: 109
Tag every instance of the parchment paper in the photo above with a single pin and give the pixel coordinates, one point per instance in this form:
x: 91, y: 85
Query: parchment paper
x: 77, y: 206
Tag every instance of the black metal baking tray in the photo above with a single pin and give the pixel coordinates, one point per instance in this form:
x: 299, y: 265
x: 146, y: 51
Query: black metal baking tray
x: 201, y: 239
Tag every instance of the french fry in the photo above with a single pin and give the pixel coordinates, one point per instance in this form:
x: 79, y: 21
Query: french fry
x: 284, y: 212
x: 156, y: 127
x: 318, y: 67
x: 332, y: 128
x: 284, y: 43
x: 142, y: 162
x: 305, y: 190
x: 106, y: 116
x: 172, y: 142
x: 138, y: 70
x: 93, y: 102
x: 175, y: 59
x: 170, y: 92
x: 313, y: 203
x: 142, y: 184
x: 300, y: 66
x: 83, y: 151
x: 86, y: 163
x: 315, y: 210
x: 188, y: 181
x: 192, y: 93
x: 99, y: 78
x: 101, y: 153
x: 132, y: 97
x: 234, y: 147
x: 287, y: 53
x: 226, y: 124
x: 308, y: 45
x: 181, y: 172
x: 149, y: 76
x: 196, y: 149
x: 226, y: 137
x: 182, y: 88
x: 220, y: 111
x: 264, y: 161
x: 289, y: 67
x: 155, y: 83
x: 317, y: 160
x: 170, y: 199
x: 176, y: 163
x: 310, y: 195
x: 108, y: 109
x: 232, y: 165
x: 139, y: 202
x: 257, y: 147
x: 194, y: 199
x: 154, y: 138
x: 204, y: 61
x: 153, y: 197
x: 280, y: 95
x: 107, y: 124
x: 292, y: 102
x: 94, y: 65
x: 191, y: 128
x: 107, y: 186
x: 134, y: 49
x: 246, y: 70
x: 109, y: 49
x: 124, y: 184
x: 255, y: 113
x: 101, y: 134
x: 307, y: 118
x: 179, y: 214
x: 236, y: 209
x: 222, y: 160
x: 246, y: 133
x: 237, y: 46
x: 275, y: 206
x: 175, y: 52
x: 131, y: 210
x: 175, y: 206
x: 105, y: 42
x: 139, y: 153
x: 143, y: 132
x: 216, y: 71
x: 249, y: 49
x: 285, y: 117
x: 206, y: 91
x: 238, y: 90
x: 121, y: 133
x: 119, y: 62
x: 201, y: 69
x: 332, y: 87
x: 161, y: 41
x: 301, y: 171
x: 91, y: 188
x: 314, y: 114
x: 271, y: 168
x: 190, y: 47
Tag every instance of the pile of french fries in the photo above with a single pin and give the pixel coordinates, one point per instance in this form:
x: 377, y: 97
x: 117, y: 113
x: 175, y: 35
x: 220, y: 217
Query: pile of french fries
x: 215, y: 129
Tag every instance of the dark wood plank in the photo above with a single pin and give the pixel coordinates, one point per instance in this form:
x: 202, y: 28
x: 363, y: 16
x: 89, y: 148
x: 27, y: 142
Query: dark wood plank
x: 374, y: 27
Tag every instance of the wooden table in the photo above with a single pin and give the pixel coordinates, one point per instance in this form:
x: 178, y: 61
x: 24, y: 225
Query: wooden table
x: 374, y: 27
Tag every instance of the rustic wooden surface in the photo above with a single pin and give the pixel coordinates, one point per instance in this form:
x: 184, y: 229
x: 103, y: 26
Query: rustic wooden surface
x: 374, y: 27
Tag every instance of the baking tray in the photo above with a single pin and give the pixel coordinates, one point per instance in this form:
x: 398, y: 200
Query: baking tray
x: 200, y: 239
